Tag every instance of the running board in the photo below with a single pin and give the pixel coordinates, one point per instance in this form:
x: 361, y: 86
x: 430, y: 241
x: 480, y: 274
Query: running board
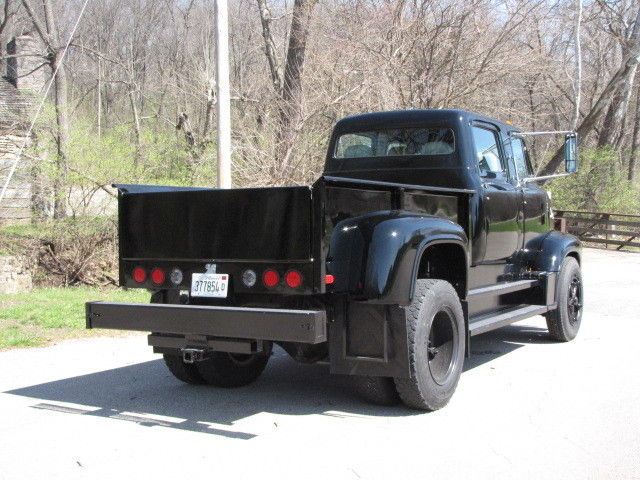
x: 503, y: 287
x: 484, y: 323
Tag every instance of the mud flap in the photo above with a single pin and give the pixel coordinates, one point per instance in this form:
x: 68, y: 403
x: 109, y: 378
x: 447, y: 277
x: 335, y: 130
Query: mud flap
x: 369, y: 339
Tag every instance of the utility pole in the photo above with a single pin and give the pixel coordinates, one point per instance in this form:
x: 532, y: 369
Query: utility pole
x: 222, y: 88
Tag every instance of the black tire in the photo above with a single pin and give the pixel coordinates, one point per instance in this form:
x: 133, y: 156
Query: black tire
x: 436, y: 335
x: 376, y: 390
x: 564, y: 322
x: 186, y: 372
x: 230, y: 370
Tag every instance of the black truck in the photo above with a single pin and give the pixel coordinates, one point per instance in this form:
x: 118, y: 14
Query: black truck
x: 425, y: 229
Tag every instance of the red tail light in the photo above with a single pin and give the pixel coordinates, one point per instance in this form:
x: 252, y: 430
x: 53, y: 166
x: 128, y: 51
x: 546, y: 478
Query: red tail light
x: 139, y: 274
x: 270, y: 278
x: 293, y: 278
x: 158, y: 276
x: 329, y: 279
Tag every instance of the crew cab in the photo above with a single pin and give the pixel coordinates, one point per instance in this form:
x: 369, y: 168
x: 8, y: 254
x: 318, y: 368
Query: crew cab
x: 425, y: 229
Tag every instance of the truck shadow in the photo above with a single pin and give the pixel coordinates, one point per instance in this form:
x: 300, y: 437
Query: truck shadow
x: 491, y: 345
x: 147, y: 394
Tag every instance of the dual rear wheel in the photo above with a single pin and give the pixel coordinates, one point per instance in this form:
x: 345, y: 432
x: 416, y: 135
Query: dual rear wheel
x: 221, y: 369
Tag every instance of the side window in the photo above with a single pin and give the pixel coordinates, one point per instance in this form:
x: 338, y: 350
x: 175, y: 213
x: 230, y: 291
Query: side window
x: 520, y: 158
x: 487, y: 151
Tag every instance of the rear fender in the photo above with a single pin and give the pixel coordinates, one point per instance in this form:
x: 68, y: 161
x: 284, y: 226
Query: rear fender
x: 375, y: 257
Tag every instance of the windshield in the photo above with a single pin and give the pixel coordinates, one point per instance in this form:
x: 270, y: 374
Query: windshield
x: 396, y: 142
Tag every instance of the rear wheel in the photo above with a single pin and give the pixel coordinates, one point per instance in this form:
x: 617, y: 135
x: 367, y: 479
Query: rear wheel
x: 229, y: 370
x: 376, y: 390
x: 186, y: 372
x: 436, y: 335
x: 564, y: 322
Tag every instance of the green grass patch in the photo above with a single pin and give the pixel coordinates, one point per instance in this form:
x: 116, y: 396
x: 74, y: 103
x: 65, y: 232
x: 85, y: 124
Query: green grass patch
x: 14, y: 336
x: 49, y: 314
x: 26, y: 230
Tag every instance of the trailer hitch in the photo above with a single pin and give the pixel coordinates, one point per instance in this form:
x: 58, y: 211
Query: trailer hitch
x: 192, y: 355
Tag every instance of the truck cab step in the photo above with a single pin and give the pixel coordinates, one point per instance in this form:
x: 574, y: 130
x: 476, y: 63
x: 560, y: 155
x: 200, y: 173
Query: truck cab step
x: 485, y: 323
x: 503, y: 287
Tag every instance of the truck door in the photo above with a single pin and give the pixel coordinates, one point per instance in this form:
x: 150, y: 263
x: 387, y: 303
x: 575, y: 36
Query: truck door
x: 535, y: 202
x: 500, y: 197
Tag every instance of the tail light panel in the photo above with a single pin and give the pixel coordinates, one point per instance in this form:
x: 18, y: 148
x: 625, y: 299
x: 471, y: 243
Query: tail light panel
x: 286, y: 278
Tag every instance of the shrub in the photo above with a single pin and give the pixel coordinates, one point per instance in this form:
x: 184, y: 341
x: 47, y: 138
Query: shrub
x: 599, y: 185
x: 71, y: 251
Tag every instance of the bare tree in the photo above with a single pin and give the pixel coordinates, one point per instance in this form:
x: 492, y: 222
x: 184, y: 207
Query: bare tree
x: 290, y: 90
x: 635, y: 141
x: 578, y: 84
x: 617, y: 82
x: 612, y: 132
x: 7, y: 14
x: 140, y: 68
x: 49, y: 35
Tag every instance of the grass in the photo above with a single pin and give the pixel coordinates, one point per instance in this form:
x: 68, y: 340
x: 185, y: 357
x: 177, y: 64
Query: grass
x: 21, y: 230
x: 46, y: 315
x: 13, y: 236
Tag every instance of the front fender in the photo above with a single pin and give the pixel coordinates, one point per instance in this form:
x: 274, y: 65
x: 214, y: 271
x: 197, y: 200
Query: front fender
x: 546, y: 252
x: 375, y: 256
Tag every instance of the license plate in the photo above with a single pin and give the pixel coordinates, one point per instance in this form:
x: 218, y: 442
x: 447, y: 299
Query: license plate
x: 209, y: 285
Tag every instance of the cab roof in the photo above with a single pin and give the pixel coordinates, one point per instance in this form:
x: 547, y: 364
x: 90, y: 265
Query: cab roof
x: 408, y: 118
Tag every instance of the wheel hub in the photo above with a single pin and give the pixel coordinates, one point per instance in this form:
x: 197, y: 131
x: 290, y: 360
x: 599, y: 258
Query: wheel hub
x: 574, y: 300
x: 441, y: 350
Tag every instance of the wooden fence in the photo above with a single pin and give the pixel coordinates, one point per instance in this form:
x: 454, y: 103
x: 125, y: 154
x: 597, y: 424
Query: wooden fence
x: 611, y: 229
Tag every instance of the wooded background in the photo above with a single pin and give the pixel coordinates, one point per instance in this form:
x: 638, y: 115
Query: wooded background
x: 134, y: 99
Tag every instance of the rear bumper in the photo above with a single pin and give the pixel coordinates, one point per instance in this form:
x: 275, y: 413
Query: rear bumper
x: 304, y: 326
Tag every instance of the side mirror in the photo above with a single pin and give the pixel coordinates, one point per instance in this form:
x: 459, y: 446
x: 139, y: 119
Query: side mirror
x: 571, y: 153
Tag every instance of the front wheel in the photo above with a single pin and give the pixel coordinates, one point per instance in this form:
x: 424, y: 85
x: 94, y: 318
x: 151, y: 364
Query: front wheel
x: 436, y: 335
x: 564, y: 322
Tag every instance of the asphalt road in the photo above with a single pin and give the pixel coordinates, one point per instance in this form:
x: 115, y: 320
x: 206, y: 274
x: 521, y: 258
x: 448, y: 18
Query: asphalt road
x: 525, y: 408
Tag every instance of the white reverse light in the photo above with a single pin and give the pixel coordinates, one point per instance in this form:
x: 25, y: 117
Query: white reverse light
x: 249, y: 278
x: 176, y: 276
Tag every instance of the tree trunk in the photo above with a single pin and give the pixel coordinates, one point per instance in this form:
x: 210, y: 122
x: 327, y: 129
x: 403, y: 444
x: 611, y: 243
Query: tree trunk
x: 50, y: 37
x: 614, y: 121
x: 99, y: 99
x: 269, y: 44
x: 290, y: 114
x: 62, y: 121
x: 62, y: 139
x: 208, y: 115
x: 5, y: 24
x: 635, y: 142
x: 578, y: 84
x: 136, y: 129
